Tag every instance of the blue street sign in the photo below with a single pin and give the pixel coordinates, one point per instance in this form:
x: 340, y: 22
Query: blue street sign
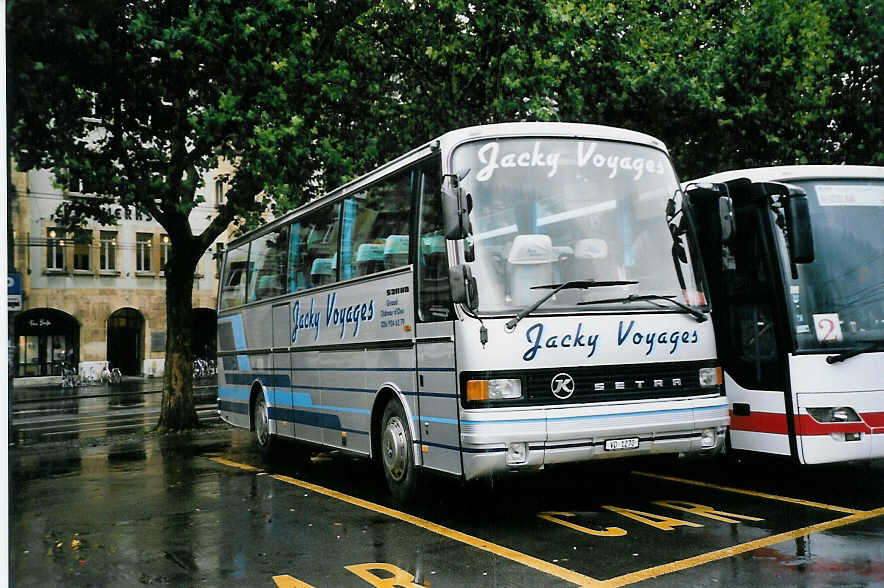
x: 13, y: 284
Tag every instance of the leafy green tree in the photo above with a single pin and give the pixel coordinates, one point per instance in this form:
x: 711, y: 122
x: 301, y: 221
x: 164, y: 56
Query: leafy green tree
x: 138, y: 99
x: 856, y: 106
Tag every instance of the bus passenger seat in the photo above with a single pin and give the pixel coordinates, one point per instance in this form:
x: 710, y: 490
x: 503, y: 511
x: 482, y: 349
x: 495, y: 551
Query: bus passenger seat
x: 395, y: 251
x: 369, y: 258
x: 322, y: 271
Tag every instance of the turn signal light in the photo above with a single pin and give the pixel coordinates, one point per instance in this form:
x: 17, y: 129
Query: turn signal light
x: 477, y: 390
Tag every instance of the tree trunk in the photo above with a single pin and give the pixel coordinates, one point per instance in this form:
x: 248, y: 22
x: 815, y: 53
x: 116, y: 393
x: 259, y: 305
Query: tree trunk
x: 178, y: 411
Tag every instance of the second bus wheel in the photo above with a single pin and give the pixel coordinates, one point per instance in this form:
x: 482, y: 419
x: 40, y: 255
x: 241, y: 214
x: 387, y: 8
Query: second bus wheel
x: 397, y: 457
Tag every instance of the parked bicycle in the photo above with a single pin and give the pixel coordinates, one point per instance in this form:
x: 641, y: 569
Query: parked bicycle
x: 203, y: 368
x: 110, y: 375
x: 88, y: 377
x: 69, y: 377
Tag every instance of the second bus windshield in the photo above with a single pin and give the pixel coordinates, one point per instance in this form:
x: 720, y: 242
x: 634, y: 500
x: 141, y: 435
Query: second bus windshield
x: 547, y: 211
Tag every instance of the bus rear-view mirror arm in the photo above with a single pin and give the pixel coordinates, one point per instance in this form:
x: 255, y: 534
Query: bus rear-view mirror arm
x: 456, y: 207
x: 463, y: 286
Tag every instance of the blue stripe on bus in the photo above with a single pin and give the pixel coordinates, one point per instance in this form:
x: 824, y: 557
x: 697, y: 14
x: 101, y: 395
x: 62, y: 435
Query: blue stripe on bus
x: 236, y: 407
x: 356, y: 369
x: 239, y: 333
x: 269, y: 380
x: 282, y: 385
x: 436, y: 420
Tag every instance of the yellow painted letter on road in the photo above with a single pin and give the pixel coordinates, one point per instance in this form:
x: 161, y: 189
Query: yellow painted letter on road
x: 553, y: 517
x: 705, y: 511
x: 289, y: 582
x: 399, y: 579
x: 658, y: 521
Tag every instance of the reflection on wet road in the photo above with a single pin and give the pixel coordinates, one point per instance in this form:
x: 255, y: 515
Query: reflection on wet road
x: 203, y: 509
x: 52, y: 413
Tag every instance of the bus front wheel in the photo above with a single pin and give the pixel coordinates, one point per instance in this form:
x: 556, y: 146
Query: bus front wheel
x: 397, y: 458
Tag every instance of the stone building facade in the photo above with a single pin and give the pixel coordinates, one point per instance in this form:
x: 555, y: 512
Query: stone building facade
x: 99, y: 296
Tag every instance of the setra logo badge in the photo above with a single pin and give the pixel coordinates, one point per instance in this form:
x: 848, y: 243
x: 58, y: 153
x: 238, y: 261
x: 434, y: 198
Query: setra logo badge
x: 562, y: 386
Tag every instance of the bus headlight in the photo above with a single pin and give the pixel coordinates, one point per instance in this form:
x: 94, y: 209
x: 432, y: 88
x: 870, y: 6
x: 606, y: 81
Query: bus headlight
x: 710, y: 376
x: 498, y: 389
x: 841, y: 414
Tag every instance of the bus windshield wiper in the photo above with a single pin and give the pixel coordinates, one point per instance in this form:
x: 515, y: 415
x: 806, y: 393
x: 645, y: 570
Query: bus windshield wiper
x: 651, y: 298
x: 556, y: 288
x: 854, y: 352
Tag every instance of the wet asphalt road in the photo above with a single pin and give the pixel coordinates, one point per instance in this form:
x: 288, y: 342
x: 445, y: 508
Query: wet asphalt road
x: 202, y: 509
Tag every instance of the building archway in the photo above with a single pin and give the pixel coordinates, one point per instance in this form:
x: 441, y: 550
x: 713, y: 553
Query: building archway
x: 125, y: 341
x: 205, y: 328
x: 46, y: 339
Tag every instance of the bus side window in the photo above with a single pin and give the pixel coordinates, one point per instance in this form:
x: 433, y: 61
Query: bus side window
x: 268, y: 261
x: 313, y: 250
x: 233, y: 292
x: 433, y: 293
x: 375, y: 228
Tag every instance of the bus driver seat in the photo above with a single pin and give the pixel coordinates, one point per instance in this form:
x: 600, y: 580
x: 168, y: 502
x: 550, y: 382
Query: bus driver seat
x: 529, y: 263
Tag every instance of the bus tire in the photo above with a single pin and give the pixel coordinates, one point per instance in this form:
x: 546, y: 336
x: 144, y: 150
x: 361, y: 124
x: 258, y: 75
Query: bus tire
x: 397, y: 453
x: 261, y: 425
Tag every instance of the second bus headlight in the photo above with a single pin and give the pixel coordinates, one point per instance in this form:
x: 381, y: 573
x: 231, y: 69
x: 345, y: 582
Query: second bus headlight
x: 710, y: 376
x: 498, y: 389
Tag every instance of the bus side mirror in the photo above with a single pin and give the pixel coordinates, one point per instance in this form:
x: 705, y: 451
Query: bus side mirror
x: 800, y: 234
x: 463, y: 286
x: 704, y: 197
x: 726, y: 216
x: 456, y: 207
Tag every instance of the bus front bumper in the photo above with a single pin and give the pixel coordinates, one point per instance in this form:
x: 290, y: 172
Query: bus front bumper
x: 512, y: 440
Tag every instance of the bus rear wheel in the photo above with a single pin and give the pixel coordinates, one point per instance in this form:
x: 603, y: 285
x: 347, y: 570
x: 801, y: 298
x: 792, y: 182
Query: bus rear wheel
x: 397, y: 453
x: 262, y: 427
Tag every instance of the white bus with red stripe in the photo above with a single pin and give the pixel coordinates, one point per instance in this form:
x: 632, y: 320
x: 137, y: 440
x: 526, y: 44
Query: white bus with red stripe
x: 798, y: 290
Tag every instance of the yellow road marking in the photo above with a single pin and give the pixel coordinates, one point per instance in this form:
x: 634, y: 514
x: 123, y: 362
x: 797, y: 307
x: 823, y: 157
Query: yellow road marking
x: 524, y: 559
x: 852, y: 511
x: 738, y: 549
x: 288, y: 581
x: 234, y: 464
x: 553, y: 517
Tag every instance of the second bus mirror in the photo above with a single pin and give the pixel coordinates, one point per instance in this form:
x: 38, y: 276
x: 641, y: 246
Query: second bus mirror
x: 463, y: 286
x: 456, y: 207
x: 800, y: 235
x: 726, y: 216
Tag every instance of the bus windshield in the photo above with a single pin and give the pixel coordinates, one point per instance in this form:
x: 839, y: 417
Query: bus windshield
x: 547, y: 211
x: 837, y: 302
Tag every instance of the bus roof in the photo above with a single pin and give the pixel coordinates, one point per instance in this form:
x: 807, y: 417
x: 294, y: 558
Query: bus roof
x: 794, y: 173
x: 453, y: 138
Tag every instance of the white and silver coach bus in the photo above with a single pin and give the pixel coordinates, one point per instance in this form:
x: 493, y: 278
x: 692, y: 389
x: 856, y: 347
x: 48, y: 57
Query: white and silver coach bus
x: 799, y: 309
x: 503, y: 297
